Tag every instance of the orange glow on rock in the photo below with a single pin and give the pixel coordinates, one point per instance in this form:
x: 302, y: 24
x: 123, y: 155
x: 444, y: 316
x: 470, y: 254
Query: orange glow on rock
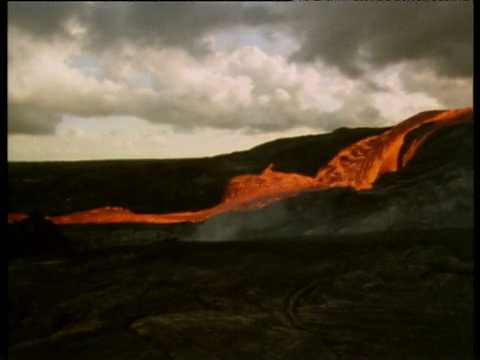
x: 358, y: 166
x: 245, y: 192
x: 16, y: 217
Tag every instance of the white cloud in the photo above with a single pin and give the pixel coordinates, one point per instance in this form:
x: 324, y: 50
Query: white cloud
x: 39, y: 75
x: 240, y: 91
x: 244, y: 88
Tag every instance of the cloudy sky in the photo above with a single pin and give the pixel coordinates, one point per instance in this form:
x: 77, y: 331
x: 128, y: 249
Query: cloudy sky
x: 121, y: 80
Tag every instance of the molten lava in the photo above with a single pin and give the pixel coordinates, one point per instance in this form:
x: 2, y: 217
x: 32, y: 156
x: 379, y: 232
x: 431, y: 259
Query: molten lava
x: 358, y: 166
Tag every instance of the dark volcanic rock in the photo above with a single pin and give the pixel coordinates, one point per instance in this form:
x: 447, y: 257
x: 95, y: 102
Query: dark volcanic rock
x: 36, y: 236
x: 374, y: 296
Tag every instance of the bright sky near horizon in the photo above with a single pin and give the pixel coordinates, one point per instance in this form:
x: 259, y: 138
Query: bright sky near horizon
x: 126, y: 80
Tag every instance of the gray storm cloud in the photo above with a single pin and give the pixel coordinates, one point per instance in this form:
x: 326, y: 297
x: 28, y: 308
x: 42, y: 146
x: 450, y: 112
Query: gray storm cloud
x: 356, y: 35
x: 349, y: 35
x: 43, y: 19
x: 29, y: 120
x: 109, y: 24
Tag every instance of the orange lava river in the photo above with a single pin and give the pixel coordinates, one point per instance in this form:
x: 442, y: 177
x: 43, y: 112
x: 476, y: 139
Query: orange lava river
x: 358, y: 166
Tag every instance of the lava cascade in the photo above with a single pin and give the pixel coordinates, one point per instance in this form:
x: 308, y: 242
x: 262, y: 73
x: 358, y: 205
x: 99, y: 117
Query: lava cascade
x: 358, y: 166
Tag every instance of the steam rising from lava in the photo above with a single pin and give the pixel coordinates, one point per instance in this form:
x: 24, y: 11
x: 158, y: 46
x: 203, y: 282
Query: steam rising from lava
x: 358, y: 166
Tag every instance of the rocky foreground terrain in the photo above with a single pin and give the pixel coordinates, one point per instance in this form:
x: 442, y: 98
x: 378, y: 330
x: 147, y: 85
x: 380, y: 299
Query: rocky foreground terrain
x: 385, y: 273
x: 404, y: 295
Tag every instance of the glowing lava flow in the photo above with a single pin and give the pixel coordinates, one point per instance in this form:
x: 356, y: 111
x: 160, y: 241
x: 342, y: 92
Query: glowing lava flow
x: 358, y: 166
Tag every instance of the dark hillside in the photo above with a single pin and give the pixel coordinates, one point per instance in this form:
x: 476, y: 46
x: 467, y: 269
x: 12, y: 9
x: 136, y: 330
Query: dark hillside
x: 160, y: 186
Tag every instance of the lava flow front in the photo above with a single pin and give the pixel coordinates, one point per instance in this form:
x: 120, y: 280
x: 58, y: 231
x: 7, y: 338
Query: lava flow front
x: 358, y: 166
